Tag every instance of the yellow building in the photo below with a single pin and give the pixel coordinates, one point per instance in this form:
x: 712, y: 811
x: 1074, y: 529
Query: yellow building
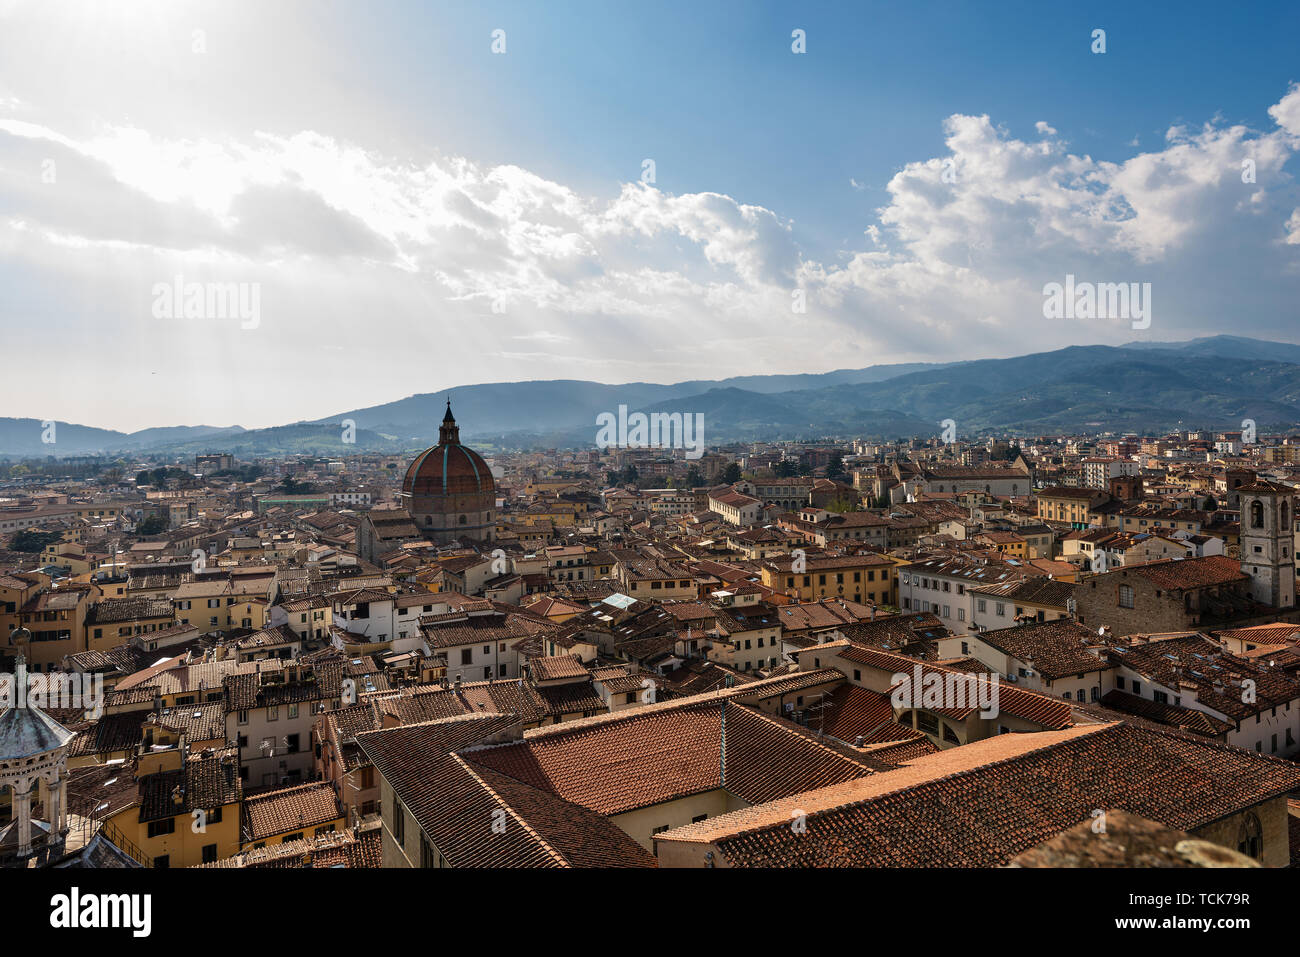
x: 1073, y: 505
x: 187, y: 810
x: 861, y: 578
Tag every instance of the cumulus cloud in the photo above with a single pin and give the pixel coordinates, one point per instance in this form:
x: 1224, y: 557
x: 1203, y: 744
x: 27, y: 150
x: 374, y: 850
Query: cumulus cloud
x: 451, y: 257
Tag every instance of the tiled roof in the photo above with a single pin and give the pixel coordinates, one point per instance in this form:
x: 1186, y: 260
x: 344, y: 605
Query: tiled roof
x: 1050, y: 713
x: 208, y: 780
x: 559, y: 666
x: 1190, y: 572
x: 1184, y: 719
x: 300, y: 808
x: 1056, y: 649
x: 1217, y: 676
x: 657, y: 754
x: 478, y: 817
x: 1014, y: 791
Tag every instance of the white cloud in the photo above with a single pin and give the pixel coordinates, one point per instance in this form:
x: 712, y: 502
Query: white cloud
x: 367, y: 249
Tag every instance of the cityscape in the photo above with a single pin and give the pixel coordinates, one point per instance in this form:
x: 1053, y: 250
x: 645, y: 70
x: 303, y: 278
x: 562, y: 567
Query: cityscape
x: 478, y: 436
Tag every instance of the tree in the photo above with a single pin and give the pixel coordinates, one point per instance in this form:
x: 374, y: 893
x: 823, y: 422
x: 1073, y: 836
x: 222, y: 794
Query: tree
x: 731, y: 474
x: 835, y: 468
x: 291, y: 486
x: 786, y: 469
x: 694, y: 477
x: 31, y: 540
x: 153, y: 525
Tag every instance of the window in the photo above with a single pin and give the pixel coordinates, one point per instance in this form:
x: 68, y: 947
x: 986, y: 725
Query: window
x: 209, y: 853
x: 399, y: 821
x: 466, y: 656
x: 158, y: 828
x: 1125, y: 596
x: 162, y: 861
x: 1250, y: 836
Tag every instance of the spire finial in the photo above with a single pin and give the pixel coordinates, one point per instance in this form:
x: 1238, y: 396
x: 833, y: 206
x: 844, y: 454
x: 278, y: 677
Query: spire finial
x: 449, y: 434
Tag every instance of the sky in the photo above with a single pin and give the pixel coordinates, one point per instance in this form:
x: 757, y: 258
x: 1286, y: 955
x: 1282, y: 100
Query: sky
x: 408, y: 197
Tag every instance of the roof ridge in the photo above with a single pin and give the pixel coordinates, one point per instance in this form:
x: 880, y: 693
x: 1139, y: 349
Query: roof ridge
x: 505, y: 806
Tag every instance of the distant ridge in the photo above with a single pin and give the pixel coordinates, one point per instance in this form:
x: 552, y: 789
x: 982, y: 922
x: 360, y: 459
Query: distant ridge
x: 1213, y: 382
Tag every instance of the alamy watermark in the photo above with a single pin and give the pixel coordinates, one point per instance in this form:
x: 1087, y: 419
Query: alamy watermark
x: 56, y: 690
x: 940, y: 690
x: 657, y: 430
x: 179, y: 299
x: 1098, y: 300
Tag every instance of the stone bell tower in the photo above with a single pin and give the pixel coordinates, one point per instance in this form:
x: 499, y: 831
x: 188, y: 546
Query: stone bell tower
x: 1267, y: 542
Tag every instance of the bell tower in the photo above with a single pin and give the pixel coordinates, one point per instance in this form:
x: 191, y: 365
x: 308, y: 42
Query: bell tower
x: 1267, y: 542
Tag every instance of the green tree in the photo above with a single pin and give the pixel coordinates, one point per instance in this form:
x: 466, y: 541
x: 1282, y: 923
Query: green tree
x: 30, y: 540
x: 731, y: 474
x: 153, y: 525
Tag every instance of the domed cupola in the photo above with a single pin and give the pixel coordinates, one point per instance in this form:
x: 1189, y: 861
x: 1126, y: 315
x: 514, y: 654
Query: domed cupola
x: 449, y: 489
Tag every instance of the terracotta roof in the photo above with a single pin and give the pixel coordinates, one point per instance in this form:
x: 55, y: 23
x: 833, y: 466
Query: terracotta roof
x: 1016, y: 791
x: 478, y: 817
x: 655, y: 754
x: 1056, y: 649
x: 1189, y: 572
x: 300, y: 808
x: 549, y: 668
x: 1196, y: 661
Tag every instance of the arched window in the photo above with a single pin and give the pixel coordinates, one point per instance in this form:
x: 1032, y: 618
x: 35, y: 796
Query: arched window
x: 1250, y: 836
x: 1257, y: 514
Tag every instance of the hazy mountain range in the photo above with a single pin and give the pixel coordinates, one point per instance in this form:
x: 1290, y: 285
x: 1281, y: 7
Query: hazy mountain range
x: 1211, y: 382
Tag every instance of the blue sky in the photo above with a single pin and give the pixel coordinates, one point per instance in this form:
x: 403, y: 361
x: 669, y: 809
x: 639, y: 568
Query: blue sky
x: 419, y: 213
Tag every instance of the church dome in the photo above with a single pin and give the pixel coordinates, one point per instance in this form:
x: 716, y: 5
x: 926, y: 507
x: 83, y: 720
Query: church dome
x: 448, y: 468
